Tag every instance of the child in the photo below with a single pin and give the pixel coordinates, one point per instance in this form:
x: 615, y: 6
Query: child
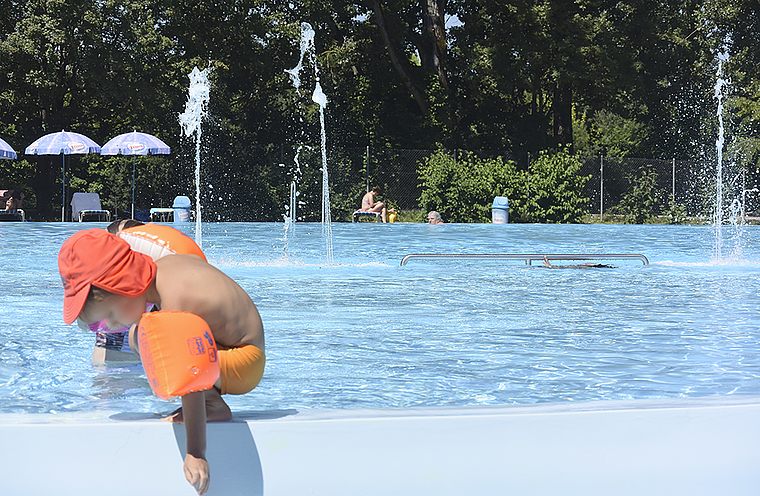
x: 105, y: 279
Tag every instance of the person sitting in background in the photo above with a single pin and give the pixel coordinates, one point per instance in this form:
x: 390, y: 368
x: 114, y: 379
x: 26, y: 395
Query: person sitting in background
x: 15, y: 199
x: 434, y: 218
x: 370, y: 205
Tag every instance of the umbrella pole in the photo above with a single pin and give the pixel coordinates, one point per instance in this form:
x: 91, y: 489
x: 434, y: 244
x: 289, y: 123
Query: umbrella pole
x: 134, y: 157
x: 63, y: 193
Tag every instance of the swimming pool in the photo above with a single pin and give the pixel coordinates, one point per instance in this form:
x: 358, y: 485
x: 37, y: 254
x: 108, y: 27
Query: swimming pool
x: 368, y: 333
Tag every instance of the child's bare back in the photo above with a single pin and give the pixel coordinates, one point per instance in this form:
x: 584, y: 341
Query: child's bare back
x: 189, y: 284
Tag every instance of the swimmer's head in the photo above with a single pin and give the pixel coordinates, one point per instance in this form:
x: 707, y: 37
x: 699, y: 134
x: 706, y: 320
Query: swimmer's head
x: 434, y: 217
x: 97, y: 259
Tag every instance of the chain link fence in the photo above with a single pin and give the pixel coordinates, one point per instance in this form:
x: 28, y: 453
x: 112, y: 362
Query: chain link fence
x: 689, y: 185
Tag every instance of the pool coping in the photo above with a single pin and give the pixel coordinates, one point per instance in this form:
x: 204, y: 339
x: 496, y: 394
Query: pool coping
x: 689, y: 446
x: 335, y: 414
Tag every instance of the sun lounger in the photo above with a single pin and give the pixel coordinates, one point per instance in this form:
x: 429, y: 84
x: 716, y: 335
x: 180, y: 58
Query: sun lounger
x: 12, y: 215
x: 359, y: 214
x: 161, y: 214
x: 86, y: 206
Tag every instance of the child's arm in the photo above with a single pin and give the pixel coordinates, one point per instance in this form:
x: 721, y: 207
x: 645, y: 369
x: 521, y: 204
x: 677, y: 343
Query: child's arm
x: 196, y: 467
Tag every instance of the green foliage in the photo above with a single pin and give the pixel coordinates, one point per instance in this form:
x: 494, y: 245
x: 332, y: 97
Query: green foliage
x: 555, y: 189
x: 414, y: 216
x: 636, y: 74
x: 609, y: 134
x: 676, y: 214
x: 463, y: 190
x: 641, y: 203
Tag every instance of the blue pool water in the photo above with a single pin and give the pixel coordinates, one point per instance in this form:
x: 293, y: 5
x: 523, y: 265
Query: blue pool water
x: 367, y: 332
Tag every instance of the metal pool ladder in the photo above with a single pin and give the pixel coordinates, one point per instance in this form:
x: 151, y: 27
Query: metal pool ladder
x: 529, y: 257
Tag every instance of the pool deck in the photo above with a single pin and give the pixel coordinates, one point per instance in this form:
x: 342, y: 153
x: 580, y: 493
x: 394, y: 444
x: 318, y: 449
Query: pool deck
x: 703, y: 446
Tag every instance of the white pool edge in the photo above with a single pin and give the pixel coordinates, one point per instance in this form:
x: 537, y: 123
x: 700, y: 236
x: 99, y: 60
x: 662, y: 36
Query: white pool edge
x: 642, y: 447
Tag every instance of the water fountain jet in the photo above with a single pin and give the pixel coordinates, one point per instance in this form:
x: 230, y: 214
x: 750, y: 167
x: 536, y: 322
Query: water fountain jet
x: 196, y: 109
x: 318, y: 97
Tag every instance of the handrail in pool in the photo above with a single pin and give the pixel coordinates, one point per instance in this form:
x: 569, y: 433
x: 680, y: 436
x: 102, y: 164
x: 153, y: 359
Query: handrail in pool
x: 529, y: 257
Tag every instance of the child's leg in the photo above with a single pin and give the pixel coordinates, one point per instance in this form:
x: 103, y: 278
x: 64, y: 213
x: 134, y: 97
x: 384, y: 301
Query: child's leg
x: 216, y: 409
x: 240, y: 368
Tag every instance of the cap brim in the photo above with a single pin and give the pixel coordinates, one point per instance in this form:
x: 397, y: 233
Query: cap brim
x: 73, y: 305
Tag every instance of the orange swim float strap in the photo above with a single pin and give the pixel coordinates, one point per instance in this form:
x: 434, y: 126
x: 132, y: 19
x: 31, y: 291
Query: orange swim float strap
x: 178, y: 353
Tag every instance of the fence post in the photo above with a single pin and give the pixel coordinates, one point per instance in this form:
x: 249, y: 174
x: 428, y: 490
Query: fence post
x: 601, y: 187
x: 367, y: 169
x: 527, y: 172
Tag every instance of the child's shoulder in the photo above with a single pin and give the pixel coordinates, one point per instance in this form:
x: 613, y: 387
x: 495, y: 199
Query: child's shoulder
x: 181, y: 259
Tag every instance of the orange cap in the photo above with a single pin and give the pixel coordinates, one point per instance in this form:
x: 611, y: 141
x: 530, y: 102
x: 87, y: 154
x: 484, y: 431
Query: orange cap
x: 97, y: 258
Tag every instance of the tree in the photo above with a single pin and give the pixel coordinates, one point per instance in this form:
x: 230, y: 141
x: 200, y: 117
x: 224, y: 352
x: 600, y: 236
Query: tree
x: 91, y: 67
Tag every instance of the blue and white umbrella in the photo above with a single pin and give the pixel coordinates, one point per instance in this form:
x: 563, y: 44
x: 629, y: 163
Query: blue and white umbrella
x: 63, y: 144
x: 134, y: 144
x: 5, y: 150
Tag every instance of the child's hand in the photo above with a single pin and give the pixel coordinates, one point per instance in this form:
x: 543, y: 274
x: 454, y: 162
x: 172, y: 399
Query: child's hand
x: 197, y: 473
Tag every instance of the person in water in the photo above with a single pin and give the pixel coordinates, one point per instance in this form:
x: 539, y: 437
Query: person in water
x: 370, y: 205
x: 434, y: 218
x: 105, y: 279
x: 112, y: 346
x: 589, y: 265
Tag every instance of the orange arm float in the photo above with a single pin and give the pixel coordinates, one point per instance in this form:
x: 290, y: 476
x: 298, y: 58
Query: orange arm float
x: 178, y: 353
x: 156, y: 241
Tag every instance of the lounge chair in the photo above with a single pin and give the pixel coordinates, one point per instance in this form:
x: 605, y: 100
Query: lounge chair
x: 359, y: 214
x: 16, y: 214
x: 161, y: 214
x: 84, y: 206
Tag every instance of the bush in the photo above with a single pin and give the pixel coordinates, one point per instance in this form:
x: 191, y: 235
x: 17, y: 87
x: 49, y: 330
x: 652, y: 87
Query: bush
x: 463, y: 190
x: 555, y: 190
x: 640, y: 204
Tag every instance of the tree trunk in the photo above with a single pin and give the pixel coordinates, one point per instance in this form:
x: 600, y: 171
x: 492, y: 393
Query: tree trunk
x: 43, y: 182
x: 433, y: 51
x: 562, y: 107
x: 397, y: 62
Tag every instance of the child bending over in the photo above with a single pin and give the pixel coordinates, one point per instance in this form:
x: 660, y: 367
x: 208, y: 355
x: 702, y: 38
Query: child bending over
x: 105, y: 279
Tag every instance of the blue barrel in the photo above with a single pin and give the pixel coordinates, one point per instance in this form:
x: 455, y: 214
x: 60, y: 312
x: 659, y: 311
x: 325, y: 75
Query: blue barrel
x: 181, y: 208
x: 500, y: 210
